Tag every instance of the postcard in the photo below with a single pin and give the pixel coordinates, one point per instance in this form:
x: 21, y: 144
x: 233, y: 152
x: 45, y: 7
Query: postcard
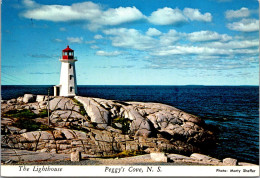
x: 116, y: 88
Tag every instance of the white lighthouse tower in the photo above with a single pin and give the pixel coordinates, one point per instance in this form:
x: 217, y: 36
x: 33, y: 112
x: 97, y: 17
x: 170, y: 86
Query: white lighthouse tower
x: 68, y: 82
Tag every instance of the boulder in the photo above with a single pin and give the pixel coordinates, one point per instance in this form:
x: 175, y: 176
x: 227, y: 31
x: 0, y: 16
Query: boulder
x: 37, y: 135
x: 13, y: 130
x: 67, y: 132
x: 3, y: 101
x: 204, y: 158
x: 179, y: 157
x: 11, y: 101
x: 62, y: 103
x: 200, y: 157
x: 159, y: 157
x: 29, y: 98
x: 139, y: 125
x: 40, y: 98
x: 20, y: 99
x: 229, y: 162
x: 95, y: 111
x: 75, y: 156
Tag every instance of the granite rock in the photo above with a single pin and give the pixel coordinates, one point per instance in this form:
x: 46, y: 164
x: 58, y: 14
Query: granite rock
x: 29, y: 98
x: 229, y: 162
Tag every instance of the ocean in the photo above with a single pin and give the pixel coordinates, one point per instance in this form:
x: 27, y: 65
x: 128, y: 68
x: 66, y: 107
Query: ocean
x: 232, y: 109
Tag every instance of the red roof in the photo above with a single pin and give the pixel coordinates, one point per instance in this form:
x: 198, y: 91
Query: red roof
x: 67, y: 49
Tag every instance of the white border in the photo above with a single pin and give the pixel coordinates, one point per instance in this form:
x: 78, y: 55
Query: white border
x: 135, y: 170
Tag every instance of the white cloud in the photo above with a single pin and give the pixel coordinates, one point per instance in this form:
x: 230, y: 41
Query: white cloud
x: 187, y: 50
x: 90, y: 42
x: 246, y: 51
x: 120, y: 15
x: 245, y: 25
x: 195, y: 14
x: 153, y: 32
x: 201, y: 51
x: 115, y: 16
x: 108, y: 54
x: 169, y: 43
x: 75, y: 39
x: 243, y: 12
x: 96, y: 16
x: 235, y: 44
x: 170, y: 37
x: 98, y: 37
x: 86, y: 11
x: 58, y: 40
x: 134, y: 39
x: 207, y: 36
x: 30, y: 3
x: 94, y: 47
x: 167, y: 16
x: 173, y: 50
x: 130, y: 38
x: 60, y: 13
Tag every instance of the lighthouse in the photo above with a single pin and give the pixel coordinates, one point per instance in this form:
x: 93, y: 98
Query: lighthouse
x: 68, y: 82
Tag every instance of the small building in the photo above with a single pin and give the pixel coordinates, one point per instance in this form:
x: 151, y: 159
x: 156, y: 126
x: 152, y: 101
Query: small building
x: 68, y: 81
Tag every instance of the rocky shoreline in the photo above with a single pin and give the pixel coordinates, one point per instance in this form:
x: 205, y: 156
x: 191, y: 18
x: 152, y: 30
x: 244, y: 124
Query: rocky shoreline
x: 101, y: 128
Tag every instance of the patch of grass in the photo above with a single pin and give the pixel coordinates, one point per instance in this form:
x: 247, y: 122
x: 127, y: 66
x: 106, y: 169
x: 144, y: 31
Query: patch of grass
x: 124, y: 122
x: 81, y: 107
x: 25, y: 119
x: 25, y: 113
x: 30, y: 125
x: 27, y: 123
x: 43, y: 113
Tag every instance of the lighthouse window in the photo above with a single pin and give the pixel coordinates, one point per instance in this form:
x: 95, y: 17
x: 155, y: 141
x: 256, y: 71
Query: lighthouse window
x: 71, y: 88
x: 70, y: 66
x: 71, y: 77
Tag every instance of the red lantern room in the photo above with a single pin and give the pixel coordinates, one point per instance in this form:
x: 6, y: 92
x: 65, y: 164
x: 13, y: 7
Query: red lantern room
x: 67, y: 53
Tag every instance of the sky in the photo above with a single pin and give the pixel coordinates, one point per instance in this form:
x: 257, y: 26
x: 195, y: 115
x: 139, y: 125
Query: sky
x: 131, y: 42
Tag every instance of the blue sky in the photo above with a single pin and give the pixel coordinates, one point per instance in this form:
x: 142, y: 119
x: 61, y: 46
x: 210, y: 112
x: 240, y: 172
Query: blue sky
x: 132, y: 42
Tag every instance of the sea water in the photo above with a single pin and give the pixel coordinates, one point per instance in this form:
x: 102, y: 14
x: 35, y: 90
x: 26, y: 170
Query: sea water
x: 232, y: 109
